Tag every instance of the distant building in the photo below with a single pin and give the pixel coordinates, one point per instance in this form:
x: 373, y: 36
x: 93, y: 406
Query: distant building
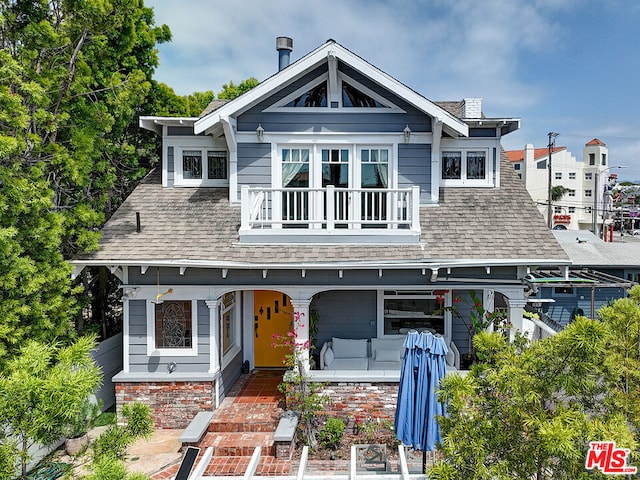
x: 584, y: 182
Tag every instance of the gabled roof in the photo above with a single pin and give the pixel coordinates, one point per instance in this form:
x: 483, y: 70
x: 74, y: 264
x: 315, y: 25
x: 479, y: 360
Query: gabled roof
x: 595, y: 141
x: 451, y: 124
x: 538, y: 153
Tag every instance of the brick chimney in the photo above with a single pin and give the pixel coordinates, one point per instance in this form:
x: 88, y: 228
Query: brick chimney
x: 472, y: 108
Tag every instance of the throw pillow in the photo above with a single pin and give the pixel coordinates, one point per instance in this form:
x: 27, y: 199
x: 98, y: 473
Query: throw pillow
x: 348, y: 348
x: 328, y: 357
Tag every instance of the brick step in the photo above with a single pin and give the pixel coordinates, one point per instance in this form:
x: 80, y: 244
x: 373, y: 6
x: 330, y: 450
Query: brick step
x: 242, y: 417
x: 238, y: 444
x: 237, y: 466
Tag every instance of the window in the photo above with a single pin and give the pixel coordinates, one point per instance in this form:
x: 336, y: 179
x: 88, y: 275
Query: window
x: 411, y: 310
x: 315, y: 97
x: 295, y: 174
x: 200, y: 166
x: 229, y: 325
x: 604, y: 159
x: 572, y: 209
x: 520, y: 176
x: 352, y: 97
x: 587, y: 193
x: 588, y: 176
x: 572, y: 175
x: 572, y: 193
x: 464, y: 166
x: 557, y: 210
x: 587, y: 210
x: 172, y: 327
x: 558, y: 175
x: 592, y: 159
x: 563, y: 290
x: 516, y: 166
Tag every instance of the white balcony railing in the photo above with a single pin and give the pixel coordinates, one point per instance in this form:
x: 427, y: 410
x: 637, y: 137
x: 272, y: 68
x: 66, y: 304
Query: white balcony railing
x: 313, y: 214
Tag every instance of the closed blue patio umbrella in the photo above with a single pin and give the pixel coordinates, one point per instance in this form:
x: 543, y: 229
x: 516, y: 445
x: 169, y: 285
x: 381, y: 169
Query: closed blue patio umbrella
x: 423, y: 366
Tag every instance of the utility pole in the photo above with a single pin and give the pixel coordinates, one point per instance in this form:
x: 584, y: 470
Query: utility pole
x: 552, y: 143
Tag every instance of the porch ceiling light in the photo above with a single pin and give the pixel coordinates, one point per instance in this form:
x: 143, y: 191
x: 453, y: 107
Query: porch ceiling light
x: 260, y: 133
x: 407, y: 134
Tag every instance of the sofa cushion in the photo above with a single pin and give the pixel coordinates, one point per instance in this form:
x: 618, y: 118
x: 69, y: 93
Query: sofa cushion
x: 350, y: 364
x: 391, y: 355
x: 348, y: 348
x: 387, y: 344
x: 328, y: 357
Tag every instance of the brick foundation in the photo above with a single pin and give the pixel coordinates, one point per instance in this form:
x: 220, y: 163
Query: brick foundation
x: 173, y: 404
x: 364, y: 400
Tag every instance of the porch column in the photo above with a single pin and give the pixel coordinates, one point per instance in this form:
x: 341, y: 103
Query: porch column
x: 515, y: 315
x: 301, y: 327
x: 214, y: 345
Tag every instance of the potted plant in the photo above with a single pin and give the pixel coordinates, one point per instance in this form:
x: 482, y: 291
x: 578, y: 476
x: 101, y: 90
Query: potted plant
x: 76, y: 431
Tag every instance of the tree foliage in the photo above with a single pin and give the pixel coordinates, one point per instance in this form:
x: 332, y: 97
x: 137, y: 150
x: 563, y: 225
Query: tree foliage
x: 231, y: 90
x: 44, y: 389
x: 529, y: 411
x: 74, y: 76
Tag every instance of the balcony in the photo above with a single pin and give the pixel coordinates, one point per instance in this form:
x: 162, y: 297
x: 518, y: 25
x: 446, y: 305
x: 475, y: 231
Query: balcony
x: 330, y: 215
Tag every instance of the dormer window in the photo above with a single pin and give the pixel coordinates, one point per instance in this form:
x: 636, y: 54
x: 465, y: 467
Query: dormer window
x: 464, y: 167
x: 201, y: 167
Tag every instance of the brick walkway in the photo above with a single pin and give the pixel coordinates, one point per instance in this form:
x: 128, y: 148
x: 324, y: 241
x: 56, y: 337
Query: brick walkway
x: 246, y: 419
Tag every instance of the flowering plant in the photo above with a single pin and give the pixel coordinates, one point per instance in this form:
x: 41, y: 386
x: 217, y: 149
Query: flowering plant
x: 301, y: 396
x: 479, y: 318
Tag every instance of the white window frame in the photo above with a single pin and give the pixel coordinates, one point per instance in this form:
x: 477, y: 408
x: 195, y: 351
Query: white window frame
x: 588, y: 176
x: 588, y: 192
x: 236, y: 339
x: 572, y: 175
x: 152, y: 351
x: 558, y: 175
x: 463, y: 180
x: 414, y: 294
x: 180, y: 181
x: 572, y: 193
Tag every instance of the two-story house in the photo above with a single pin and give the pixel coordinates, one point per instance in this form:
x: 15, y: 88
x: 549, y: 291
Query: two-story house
x: 331, y: 190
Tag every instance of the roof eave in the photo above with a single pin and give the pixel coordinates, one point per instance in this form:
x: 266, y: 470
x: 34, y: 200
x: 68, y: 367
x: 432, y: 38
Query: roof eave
x: 155, y: 123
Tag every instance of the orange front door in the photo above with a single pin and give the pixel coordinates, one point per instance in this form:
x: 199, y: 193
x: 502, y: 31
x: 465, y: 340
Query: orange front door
x: 272, y: 314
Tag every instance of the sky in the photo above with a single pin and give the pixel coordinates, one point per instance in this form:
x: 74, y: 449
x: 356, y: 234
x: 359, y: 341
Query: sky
x: 566, y: 66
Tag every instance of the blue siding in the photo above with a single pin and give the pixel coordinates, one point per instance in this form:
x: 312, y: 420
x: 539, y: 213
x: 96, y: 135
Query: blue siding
x: 180, y: 131
x: 482, y: 132
x: 566, y: 305
x: 414, y: 168
x: 333, y: 121
x: 140, y: 362
x: 254, y: 165
x: 346, y: 314
x: 230, y: 375
x: 170, y: 166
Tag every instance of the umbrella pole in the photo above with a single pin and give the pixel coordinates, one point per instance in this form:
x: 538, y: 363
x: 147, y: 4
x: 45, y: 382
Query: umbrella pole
x: 424, y: 462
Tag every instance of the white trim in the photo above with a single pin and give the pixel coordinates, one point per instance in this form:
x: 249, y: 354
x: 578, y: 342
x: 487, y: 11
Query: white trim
x: 214, y: 335
x: 280, y: 106
x: 179, y: 181
x: 125, y: 335
x: 296, y: 70
x: 236, y: 328
x: 152, y: 351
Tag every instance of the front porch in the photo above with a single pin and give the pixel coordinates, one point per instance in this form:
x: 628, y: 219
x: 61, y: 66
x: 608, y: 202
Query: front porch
x: 307, y: 215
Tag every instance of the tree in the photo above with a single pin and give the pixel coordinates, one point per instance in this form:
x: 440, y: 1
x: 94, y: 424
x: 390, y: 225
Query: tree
x: 44, y: 389
x: 74, y: 76
x: 529, y: 411
x: 557, y: 192
x: 231, y: 90
x: 622, y: 317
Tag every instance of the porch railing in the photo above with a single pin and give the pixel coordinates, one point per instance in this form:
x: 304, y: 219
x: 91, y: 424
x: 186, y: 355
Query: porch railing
x: 330, y: 211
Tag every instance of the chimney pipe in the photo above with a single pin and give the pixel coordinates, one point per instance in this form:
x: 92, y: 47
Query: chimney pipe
x: 284, y: 46
x: 138, y: 222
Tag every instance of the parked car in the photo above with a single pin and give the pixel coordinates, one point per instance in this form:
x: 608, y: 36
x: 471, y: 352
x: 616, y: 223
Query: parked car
x: 635, y: 232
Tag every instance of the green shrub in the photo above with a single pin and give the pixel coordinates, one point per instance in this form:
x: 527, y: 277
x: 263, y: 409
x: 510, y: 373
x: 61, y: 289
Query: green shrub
x: 108, y: 468
x: 331, y: 434
x: 112, y: 443
x: 139, y: 419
